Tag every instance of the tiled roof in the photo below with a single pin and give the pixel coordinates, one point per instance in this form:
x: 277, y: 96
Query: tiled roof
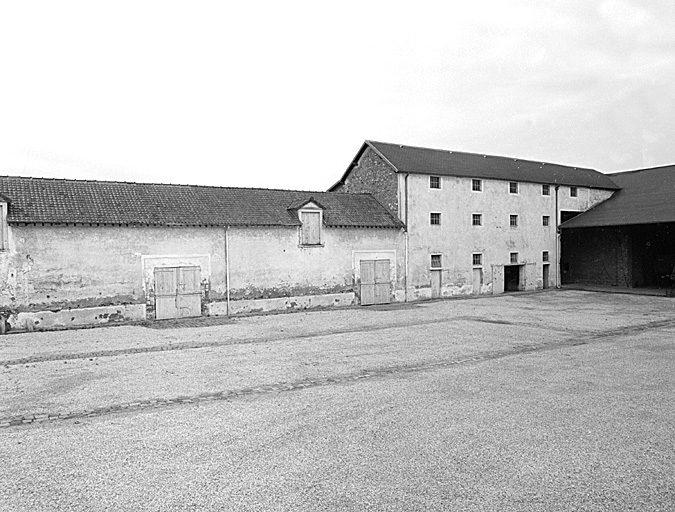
x: 647, y: 196
x: 410, y: 159
x: 105, y: 202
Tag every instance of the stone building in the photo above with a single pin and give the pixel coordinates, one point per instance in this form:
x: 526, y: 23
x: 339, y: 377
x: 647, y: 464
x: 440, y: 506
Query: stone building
x: 475, y: 224
x: 80, y: 252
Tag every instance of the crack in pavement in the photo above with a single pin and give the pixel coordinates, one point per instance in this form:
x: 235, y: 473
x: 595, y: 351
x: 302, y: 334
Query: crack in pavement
x: 282, y: 386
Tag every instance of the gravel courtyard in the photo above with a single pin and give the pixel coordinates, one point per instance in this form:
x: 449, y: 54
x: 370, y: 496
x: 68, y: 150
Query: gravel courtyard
x: 559, y: 400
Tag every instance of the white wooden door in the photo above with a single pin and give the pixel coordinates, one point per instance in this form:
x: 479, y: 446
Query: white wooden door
x: 177, y: 292
x: 375, y: 282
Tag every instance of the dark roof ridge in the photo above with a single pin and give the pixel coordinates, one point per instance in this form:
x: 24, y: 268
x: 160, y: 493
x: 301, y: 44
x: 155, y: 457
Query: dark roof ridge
x: 485, y: 155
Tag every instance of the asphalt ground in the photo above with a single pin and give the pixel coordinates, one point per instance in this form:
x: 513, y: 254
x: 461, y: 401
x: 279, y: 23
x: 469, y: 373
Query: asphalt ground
x: 546, y: 401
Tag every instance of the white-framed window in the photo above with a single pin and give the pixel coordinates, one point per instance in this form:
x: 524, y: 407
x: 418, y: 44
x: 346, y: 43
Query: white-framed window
x: 477, y: 259
x: 513, y: 257
x: 513, y: 221
x: 476, y: 185
x: 434, y: 182
x: 513, y: 187
x: 544, y: 256
x: 476, y: 219
x: 573, y: 191
x: 436, y: 261
x: 435, y: 219
x: 311, y: 229
x: 546, y: 220
x: 545, y: 190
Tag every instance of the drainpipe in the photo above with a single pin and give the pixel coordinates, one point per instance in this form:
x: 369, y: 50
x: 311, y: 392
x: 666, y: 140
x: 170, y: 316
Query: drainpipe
x: 557, y: 240
x: 407, y: 235
x: 227, y: 268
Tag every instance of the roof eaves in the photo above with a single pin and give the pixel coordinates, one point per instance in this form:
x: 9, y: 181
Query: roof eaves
x: 580, y: 217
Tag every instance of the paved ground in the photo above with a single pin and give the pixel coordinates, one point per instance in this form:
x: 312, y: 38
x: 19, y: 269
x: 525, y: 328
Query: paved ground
x: 546, y: 401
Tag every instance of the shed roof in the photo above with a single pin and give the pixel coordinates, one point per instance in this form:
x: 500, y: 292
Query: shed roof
x: 441, y: 162
x: 647, y: 196
x: 44, y: 200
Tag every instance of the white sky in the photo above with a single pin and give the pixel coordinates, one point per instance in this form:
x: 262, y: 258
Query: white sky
x: 283, y: 94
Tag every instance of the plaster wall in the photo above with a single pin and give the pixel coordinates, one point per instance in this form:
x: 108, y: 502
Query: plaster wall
x: 82, y: 268
x: 456, y: 239
x: 586, y: 198
x: 88, y: 266
x: 268, y: 263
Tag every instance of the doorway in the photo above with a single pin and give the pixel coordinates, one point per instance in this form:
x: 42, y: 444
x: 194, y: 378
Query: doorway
x: 436, y: 281
x: 477, y: 280
x: 375, y: 282
x: 512, y: 278
x: 177, y: 292
x: 546, y: 275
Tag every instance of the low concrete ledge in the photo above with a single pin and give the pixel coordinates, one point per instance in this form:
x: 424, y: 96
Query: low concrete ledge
x: 28, y: 321
x: 281, y: 304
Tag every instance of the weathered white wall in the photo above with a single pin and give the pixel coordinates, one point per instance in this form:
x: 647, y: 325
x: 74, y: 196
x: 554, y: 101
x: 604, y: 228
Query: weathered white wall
x: 456, y: 239
x: 270, y: 262
x: 586, y: 198
x: 83, y: 267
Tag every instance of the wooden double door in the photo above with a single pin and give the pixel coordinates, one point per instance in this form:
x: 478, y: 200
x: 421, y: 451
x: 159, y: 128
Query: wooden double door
x: 177, y: 292
x: 375, y: 282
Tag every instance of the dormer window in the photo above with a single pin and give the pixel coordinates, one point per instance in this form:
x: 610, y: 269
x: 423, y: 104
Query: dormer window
x: 310, y: 215
x: 310, y: 233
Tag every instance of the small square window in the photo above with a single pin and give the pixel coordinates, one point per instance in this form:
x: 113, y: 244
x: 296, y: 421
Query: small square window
x: 434, y: 182
x: 544, y: 256
x: 513, y: 221
x: 477, y: 219
x: 477, y: 259
x: 573, y: 191
x: 513, y: 187
x: 477, y: 185
x: 436, y: 261
x: 546, y: 220
x: 545, y: 190
x: 513, y: 257
x: 435, y: 219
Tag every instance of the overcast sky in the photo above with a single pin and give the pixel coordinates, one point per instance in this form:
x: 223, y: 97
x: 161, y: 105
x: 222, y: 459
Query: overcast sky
x: 283, y: 94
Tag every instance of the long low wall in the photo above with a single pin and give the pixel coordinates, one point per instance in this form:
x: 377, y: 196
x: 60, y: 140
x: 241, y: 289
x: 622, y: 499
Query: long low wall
x: 79, y: 317
x: 76, y: 317
x: 281, y: 304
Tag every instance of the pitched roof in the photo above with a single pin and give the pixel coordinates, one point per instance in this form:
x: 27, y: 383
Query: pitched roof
x: 647, y: 196
x: 107, y: 202
x: 416, y: 160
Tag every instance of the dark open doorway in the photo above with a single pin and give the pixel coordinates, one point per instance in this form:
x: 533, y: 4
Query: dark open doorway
x: 512, y: 278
